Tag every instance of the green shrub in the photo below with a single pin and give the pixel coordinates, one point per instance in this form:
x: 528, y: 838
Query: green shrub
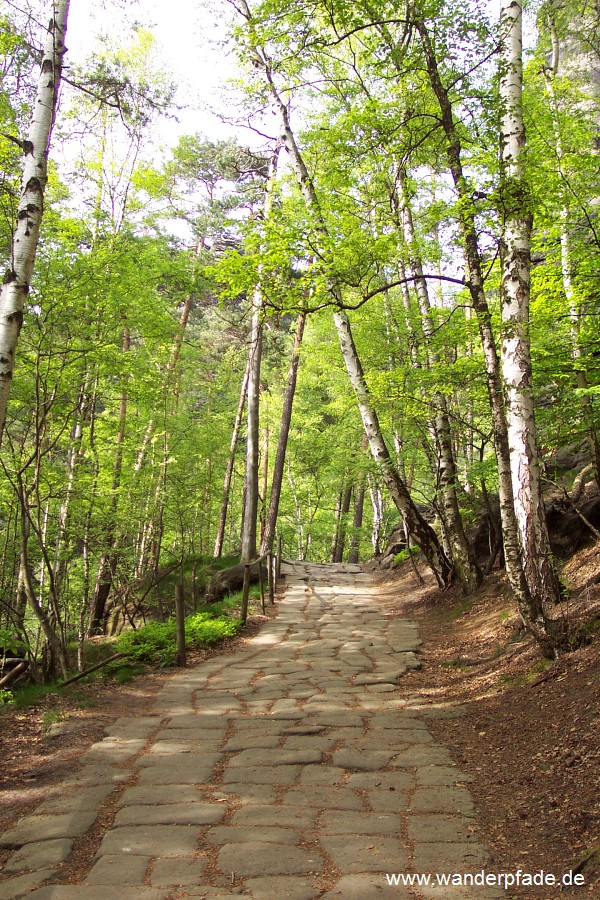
x: 405, y: 554
x: 156, y: 643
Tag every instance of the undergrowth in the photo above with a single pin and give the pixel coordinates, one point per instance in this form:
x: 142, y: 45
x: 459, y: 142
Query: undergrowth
x: 156, y: 643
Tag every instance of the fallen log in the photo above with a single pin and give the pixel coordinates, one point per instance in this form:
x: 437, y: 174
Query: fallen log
x: 229, y: 580
x: 12, y: 674
x: 91, y: 669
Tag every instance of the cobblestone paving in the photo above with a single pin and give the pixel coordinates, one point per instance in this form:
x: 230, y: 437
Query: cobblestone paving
x: 294, y: 768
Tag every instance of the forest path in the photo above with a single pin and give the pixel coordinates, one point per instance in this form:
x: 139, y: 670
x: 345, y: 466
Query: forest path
x: 292, y: 768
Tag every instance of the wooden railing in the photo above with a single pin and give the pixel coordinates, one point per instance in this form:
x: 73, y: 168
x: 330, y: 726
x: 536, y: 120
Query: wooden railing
x: 273, y: 561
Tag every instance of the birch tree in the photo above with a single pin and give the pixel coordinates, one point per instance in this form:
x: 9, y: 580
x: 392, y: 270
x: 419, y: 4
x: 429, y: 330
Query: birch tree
x: 516, y: 356
x: 15, y: 288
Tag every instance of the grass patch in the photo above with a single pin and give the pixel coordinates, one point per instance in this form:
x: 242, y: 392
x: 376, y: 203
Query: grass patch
x: 456, y: 664
x: 156, y: 643
x: 50, y: 717
x: 459, y: 609
x: 30, y: 694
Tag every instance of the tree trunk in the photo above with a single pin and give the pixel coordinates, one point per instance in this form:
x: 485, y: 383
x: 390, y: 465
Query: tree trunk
x: 57, y: 649
x: 249, y: 529
x: 519, y: 583
x: 284, y: 430
x: 423, y: 533
x: 581, y: 377
x: 466, y: 567
x: 338, y: 550
x: 230, y: 464
x: 516, y: 358
x: 108, y: 561
x: 359, y: 504
x: 15, y: 288
x: 252, y: 450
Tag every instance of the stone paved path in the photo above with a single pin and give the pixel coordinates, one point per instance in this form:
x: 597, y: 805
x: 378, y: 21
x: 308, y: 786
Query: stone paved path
x: 294, y: 768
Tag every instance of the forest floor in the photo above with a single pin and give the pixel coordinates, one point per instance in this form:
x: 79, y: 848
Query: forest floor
x: 528, y: 736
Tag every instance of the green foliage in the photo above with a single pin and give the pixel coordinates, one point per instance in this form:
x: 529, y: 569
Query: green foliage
x: 405, y: 554
x: 156, y: 643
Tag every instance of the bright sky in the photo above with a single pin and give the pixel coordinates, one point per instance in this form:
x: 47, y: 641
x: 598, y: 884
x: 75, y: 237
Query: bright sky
x: 187, y: 34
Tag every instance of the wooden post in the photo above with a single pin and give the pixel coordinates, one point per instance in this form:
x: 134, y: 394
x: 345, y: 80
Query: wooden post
x: 271, y: 576
x: 180, y: 624
x: 261, y: 585
x: 278, y: 559
x: 245, y: 593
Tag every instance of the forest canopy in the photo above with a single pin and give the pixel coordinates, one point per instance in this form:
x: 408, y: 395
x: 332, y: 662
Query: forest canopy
x: 374, y: 309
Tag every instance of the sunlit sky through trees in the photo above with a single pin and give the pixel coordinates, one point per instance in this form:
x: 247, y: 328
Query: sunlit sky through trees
x: 189, y: 39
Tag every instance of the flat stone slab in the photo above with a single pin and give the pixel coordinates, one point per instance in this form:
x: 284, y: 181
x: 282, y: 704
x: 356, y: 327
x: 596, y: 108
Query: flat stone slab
x: 380, y: 677
x: 246, y: 793
x: 83, y: 799
x: 235, y: 834
x: 178, y: 872
x: 448, y: 857
x: 442, y: 799
x: 32, y: 829
x: 152, y: 840
x: 362, y: 759
x: 171, y: 814
x: 261, y: 758
x: 249, y: 859
x: 22, y: 884
x: 38, y: 855
x: 438, y: 828
x: 365, y: 887
x: 282, y: 816
x: 340, y: 822
x: 373, y: 853
x: 264, y: 775
x: 289, y: 887
x: 316, y: 797
x: 96, y: 892
x: 157, y: 794
x: 188, y: 770
x: 117, y: 870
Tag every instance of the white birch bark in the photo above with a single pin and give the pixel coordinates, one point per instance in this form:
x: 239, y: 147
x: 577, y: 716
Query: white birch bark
x: 515, y: 350
x: 249, y: 528
x: 464, y: 561
x: 14, y: 291
x: 227, y: 479
x: 284, y: 430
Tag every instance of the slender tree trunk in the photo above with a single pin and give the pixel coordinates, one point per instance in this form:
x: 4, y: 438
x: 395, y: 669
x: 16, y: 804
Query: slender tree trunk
x: 58, y: 650
x: 338, y: 550
x: 284, y: 430
x: 249, y: 529
x: 336, y: 528
x: 377, y: 505
x: 73, y: 458
x: 516, y: 357
x: 579, y: 365
x: 230, y: 464
x: 109, y: 559
x: 466, y: 567
x: 520, y: 584
x: 359, y: 504
x: 15, y: 288
x: 423, y: 533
